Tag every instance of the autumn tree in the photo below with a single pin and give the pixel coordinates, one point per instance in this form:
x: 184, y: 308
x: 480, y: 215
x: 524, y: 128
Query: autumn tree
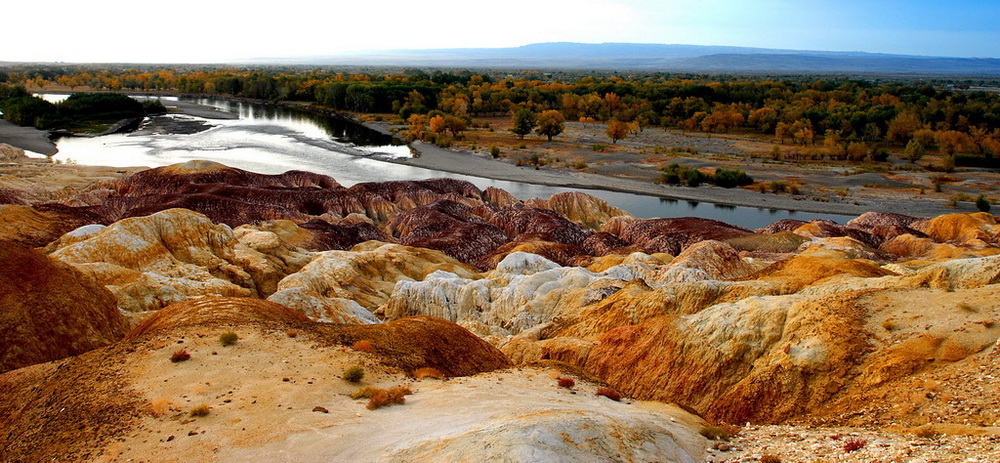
x: 522, y: 121
x: 551, y: 123
x: 617, y: 130
x: 782, y: 131
x: 437, y: 124
x: 456, y: 125
x: 914, y: 151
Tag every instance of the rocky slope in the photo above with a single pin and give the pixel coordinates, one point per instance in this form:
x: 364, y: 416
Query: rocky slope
x: 887, y: 323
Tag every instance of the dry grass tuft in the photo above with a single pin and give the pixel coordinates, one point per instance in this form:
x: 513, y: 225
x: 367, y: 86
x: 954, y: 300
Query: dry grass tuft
x: 609, y: 393
x: 363, y: 345
x: 567, y: 383
x: 854, y: 444
x: 353, y: 374
x: 719, y: 432
x: 770, y: 458
x: 228, y: 338
x: 180, y: 356
x: 966, y: 307
x: 384, y: 398
x: 201, y: 410
x: 365, y: 392
x: 292, y: 333
x: 428, y: 372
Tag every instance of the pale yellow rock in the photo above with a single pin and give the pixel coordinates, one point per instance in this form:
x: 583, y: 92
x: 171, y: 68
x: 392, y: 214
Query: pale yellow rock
x: 347, y: 285
x: 150, y: 262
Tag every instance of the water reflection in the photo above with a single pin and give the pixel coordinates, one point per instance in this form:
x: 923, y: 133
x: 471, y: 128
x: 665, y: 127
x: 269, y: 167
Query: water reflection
x: 271, y: 139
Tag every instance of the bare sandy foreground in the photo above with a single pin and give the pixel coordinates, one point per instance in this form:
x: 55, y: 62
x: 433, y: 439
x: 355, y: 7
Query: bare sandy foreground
x: 461, y: 162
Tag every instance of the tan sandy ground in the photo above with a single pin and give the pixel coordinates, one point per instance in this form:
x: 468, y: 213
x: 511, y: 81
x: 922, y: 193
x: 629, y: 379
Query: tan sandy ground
x: 262, y: 393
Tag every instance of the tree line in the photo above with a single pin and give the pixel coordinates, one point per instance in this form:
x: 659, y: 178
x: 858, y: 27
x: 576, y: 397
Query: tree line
x: 822, y: 115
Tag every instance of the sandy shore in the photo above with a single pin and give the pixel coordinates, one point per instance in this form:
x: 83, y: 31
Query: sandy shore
x: 433, y: 157
x: 26, y: 138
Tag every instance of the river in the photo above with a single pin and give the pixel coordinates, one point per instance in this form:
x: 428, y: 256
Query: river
x: 270, y: 139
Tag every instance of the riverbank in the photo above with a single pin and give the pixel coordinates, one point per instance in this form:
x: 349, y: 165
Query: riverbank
x: 27, y: 138
x: 429, y: 156
x: 600, y: 177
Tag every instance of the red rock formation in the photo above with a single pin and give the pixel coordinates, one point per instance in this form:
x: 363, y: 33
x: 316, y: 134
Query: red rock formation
x: 215, y: 310
x: 185, y: 178
x: 517, y: 219
x: 828, y: 229
x: 49, y: 311
x: 417, y: 342
x: 670, y: 236
x: 584, y: 209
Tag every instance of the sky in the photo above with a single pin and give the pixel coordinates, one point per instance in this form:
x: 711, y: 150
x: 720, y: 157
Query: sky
x: 213, y: 31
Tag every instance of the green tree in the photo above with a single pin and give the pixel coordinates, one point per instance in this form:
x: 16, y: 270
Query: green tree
x: 982, y: 203
x: 551, y: 123
x: 522, y: 121
x: 914, y: 150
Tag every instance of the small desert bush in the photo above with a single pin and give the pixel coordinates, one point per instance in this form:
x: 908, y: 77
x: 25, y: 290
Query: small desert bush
x: 363, y: 345
x: 228, y: 338
x: 384, y: 398
x: 201, y: 410
x: 966, y: 307
x: 770, y: 458
x: 353, y: 374
x: 609, y: 393
x: 567, y: 383
x: 853, y: 444
x: 364, y: 393
x: 714, y: 432
x: 926, y: 432
x: 180, y: 356
x: 428, y: 372
x: 890, y: 325
x: 292, y: 333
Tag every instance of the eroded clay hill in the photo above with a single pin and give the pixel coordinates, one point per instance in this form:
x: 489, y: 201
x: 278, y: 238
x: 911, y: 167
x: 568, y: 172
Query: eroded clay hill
x: 887, y: 321
x: 278, y: 393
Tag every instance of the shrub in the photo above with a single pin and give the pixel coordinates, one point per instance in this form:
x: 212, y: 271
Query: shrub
x: 180, y: 356
x: 363, y: 345
x: 567, y: 383
x: 779, y: 187
x: 729, y: 178
x: 384, y: 398
x: 365, y: 392
x: 982, y: 204
x: 853, y: 444
x: 770, y: 458
x: 494, y: 151
x: 965, y: 307
x: 609, y: 393
x: 228, y: 338
x: 201, y: 410
x: 353, y: 374
x: 428, y: 372
x: 292, y: 333
x: 719, y: 432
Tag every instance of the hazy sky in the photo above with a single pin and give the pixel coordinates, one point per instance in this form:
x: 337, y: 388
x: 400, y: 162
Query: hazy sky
x: 199, y: 31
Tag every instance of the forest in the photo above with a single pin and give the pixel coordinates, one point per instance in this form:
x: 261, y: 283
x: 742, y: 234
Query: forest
x: 830, y: 117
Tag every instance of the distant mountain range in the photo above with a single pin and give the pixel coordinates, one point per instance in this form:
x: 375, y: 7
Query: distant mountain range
x: 659, y: 57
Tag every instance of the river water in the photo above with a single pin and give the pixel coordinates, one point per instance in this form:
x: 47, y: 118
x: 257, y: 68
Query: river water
x: 272, y: 140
